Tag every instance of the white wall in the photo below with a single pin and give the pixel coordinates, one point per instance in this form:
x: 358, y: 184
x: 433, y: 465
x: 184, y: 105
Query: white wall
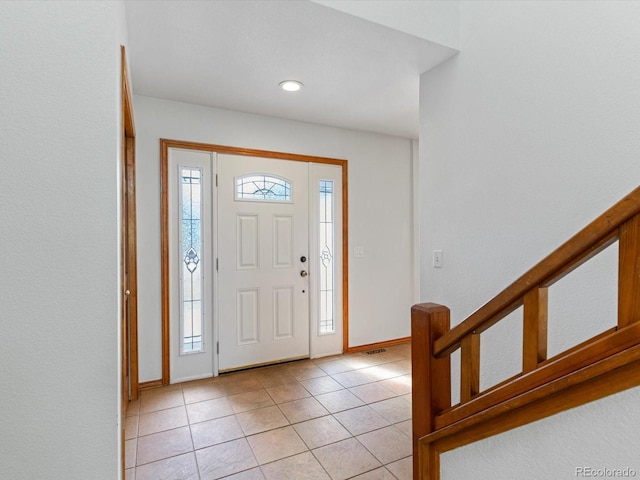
x: 433, y: 20
x: 59, y: 377
x: 526, y: 136
x: 602, y: 435
x: 380, y: 203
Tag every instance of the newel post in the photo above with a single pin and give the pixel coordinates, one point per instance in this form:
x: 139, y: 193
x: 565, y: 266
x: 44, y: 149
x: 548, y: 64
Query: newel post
x: 431, y: 382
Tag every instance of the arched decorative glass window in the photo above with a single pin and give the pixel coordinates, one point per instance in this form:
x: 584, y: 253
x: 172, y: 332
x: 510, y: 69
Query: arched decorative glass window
x: 260, y: 187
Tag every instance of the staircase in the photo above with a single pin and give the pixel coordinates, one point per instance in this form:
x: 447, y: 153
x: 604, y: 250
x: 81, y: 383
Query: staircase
x: 603, y: 365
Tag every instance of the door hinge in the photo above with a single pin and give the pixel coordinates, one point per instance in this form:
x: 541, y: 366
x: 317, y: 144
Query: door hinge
x: 216, y: 264
x: 216, y: 179
x: 218, y: 348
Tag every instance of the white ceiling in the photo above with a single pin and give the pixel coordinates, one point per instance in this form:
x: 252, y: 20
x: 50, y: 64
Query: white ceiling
x: 232, y: 54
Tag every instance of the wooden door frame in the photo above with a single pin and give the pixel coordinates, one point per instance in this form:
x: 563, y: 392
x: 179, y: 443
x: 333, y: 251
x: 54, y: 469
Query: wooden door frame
x: 128, y: 260
x: 165, y: 145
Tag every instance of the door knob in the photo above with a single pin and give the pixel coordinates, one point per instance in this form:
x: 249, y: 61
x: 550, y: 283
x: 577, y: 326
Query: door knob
x: 127, y: 292
x: 303, y: 273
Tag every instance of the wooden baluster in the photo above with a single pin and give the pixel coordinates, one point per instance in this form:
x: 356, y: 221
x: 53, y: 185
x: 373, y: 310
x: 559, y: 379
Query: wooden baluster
x: 469, y: 367
x: 431, y: 380
x: 629, y: 272
x: 534, y: 332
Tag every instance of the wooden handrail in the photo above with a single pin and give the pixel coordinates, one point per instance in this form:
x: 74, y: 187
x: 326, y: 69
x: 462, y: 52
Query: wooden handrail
x: 592, y: 352
x: 588, y: 242
x: 607, y: 363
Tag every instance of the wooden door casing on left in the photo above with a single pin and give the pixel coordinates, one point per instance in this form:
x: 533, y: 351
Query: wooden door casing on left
x: 128, y: 255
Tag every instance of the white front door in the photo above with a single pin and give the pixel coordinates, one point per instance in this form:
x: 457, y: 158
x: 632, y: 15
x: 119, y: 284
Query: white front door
x: 263, y: 260
x: 255, y: 271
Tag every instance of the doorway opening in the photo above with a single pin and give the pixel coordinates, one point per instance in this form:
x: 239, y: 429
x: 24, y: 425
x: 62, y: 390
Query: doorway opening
x: 266, y: 250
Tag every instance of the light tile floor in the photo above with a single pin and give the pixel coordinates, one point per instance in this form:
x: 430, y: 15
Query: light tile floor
x: 334, y: 418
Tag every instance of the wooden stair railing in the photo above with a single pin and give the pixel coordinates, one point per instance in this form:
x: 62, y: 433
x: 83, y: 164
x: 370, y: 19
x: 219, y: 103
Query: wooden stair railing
x: 603, y: 365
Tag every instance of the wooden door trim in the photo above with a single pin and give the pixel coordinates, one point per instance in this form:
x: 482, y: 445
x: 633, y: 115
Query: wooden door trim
x: 133, y: 268
x: 165, y: 145
x: 128, y: 238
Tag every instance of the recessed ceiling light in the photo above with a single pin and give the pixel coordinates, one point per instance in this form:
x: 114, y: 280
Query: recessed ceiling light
x: 291, y: 85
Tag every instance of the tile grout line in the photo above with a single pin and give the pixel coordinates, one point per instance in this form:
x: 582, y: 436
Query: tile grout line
x: 193, y: 444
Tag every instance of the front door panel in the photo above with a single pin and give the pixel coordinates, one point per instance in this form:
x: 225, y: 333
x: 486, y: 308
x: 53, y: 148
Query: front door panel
x: 263, y: 207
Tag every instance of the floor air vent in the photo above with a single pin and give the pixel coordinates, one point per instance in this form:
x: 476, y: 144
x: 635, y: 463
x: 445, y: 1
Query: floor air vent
x: 379, y: 350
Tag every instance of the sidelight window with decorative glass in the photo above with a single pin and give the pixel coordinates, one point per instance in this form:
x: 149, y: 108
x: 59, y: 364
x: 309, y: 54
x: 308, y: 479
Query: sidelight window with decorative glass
x: 191, y: 314
x: 327, y: 269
